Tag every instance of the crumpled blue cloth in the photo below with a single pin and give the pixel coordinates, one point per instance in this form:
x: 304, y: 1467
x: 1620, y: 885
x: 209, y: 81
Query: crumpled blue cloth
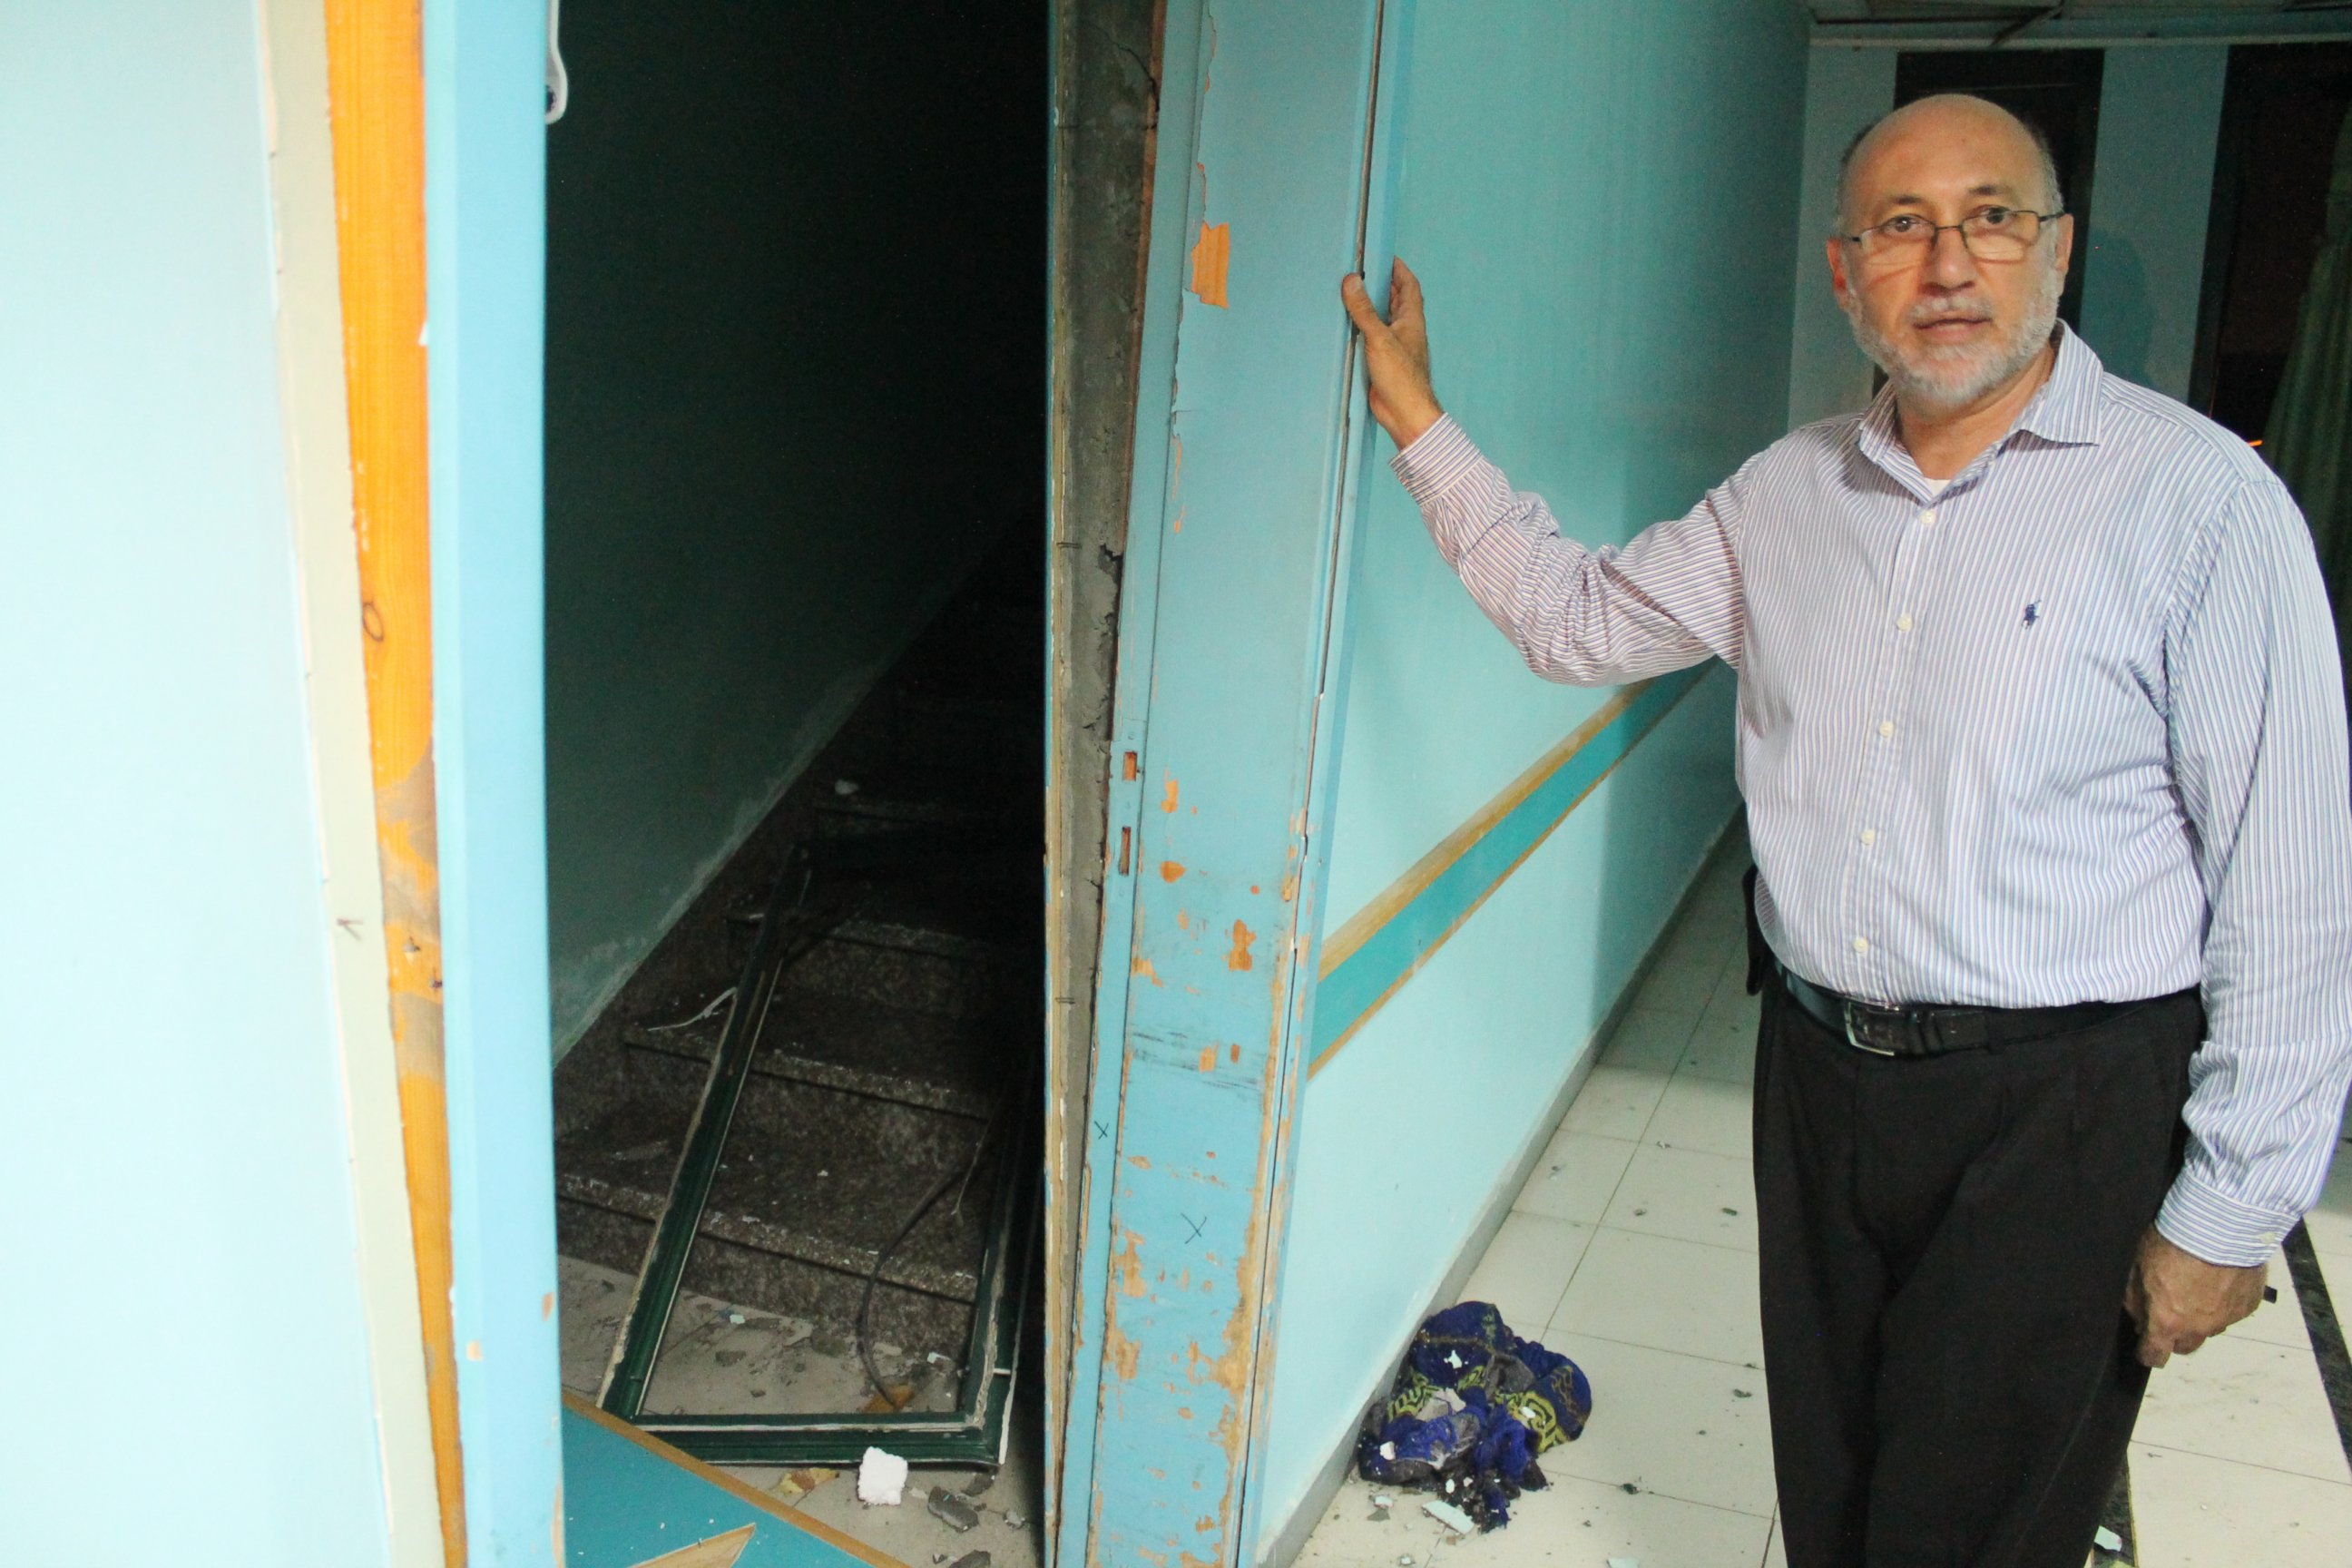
x: 1471, y: 1408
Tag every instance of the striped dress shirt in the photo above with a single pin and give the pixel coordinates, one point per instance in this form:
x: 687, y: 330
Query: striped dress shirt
x: 2070, y: 728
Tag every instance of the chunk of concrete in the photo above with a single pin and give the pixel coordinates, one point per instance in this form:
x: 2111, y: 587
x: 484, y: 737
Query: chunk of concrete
x: 953, y: 1510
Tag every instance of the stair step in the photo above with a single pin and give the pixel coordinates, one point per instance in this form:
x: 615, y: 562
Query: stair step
x: 825, y: 1297
x: 810, y: 1171
x: 858, y: 1048
x: 756, y: 1233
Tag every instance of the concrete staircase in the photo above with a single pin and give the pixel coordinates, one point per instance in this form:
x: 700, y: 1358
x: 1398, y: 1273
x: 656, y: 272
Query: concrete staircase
x: 893, y: 1048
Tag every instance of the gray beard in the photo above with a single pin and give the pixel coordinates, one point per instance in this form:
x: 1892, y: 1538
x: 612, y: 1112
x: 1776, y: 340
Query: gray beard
x: 1939, y: 379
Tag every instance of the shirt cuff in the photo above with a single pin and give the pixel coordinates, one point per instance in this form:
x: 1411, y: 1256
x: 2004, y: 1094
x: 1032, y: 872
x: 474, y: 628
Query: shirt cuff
x: 1434, y: 459
x: 2199, y: 1219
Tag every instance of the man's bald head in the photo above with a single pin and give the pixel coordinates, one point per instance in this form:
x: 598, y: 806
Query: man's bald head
x: 1944, y: 115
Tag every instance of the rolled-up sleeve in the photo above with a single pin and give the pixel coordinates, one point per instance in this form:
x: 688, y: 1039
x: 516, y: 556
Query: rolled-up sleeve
x: 2257, y: 725
x: 1586, y: 617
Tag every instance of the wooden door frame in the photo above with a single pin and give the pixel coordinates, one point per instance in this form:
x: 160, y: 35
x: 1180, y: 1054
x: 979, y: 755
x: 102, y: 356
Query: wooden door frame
x: 439, y: 153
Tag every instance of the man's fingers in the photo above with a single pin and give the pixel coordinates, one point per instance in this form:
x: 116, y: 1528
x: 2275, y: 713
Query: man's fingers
x: 1359, y: 306
x: 1404, y: 289
x: 2154, y: 1350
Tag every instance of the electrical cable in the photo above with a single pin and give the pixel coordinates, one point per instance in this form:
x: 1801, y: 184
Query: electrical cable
x: 559, y: 79
x: 881, y: 1259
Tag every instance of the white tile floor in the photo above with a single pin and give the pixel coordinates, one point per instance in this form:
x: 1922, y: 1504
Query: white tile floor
x: 1632, y: 1250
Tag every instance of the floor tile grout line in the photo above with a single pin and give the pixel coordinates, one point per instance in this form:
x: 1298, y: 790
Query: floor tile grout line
x: 1656, y: 1350
x: 1686, y: 1241
x: 2174, y: 1449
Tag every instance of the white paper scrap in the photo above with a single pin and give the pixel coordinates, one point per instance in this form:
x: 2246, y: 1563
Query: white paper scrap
x: 881, y: 1479
x: 2106, y: 1540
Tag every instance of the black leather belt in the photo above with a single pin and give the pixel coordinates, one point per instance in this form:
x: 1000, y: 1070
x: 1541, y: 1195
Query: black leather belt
x: 1933, y: 1031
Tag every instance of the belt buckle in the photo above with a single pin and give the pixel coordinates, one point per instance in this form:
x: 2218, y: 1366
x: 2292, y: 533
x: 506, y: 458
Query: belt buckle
x: 1853, y: 1011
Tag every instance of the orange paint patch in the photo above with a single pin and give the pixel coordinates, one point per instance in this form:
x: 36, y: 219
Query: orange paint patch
x: 1142, y: 966
x: 1127, y: 1265
x: 547, y: 1306
x: 1170, y: 869
x: 1212, y: 257
x: 1239, y: 958
x: 1208, y: 1058
x: 1128, y: 769
x: 1125, y: 1356
x: 1168, y: 798
x: 1237, y: 1053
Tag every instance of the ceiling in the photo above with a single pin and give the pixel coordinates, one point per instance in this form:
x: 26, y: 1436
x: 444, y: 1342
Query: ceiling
x: 2080, y: 11
x: 2027, y: 20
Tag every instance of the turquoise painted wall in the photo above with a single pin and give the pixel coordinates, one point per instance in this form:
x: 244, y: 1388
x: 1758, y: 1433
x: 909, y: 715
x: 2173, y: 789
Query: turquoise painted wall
x: 795, y: 373
x: 191, y: 1384
x: 2159, y: 121
x: 1845, y: 90
x: 1557, y: 164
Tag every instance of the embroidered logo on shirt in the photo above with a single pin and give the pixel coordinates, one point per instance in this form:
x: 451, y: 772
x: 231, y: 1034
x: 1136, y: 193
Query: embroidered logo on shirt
x: 2033, y: 613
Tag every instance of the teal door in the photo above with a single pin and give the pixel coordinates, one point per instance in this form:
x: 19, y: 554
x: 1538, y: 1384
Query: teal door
x: 1249, y: 449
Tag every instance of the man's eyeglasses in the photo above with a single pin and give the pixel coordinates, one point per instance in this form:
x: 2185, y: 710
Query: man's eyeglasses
x: 1990, y: 234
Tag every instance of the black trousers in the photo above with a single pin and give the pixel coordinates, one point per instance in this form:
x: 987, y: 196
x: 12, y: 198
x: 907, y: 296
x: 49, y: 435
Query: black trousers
x: 1944, y: 1244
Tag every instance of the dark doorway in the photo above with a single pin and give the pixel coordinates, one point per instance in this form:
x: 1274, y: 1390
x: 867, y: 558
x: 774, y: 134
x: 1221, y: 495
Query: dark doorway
x: 796, y: 413
x: 2281, y: 112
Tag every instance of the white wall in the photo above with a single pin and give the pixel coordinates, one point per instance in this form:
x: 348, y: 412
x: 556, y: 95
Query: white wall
x: 190, y: 1380
x: 1845, y: 90
x: 2152, y: 188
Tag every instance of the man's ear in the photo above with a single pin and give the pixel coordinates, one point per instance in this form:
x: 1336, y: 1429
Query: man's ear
x: 1839, y: 284
x: 2065, y: 240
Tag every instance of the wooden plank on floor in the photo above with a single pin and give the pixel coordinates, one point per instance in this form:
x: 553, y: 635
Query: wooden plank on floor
x: 631, y: 1501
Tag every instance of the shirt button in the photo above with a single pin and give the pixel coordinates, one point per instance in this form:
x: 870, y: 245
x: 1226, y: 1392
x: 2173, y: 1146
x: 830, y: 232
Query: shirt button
x: 1886, y: 729
x: 1901, y: 623
x: 1927, y: 517
x: 1870, y: 835
x: 1862, y: 944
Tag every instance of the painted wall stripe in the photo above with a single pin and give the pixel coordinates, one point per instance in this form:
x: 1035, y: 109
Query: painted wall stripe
x: 1369, y: 959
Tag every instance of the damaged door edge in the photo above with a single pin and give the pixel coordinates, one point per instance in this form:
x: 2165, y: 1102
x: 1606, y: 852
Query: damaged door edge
x: 1104, y: 66
x: 1352, y: 447
x: 1156, y: 473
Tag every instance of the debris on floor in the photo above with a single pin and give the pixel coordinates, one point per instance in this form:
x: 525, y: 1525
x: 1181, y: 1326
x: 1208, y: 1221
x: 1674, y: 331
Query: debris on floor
x: 953, y: 1510
x: 1625, y: 1563
x: 1470, y: 1409
x: 2106, y: 1540
x: 972, y: 1560
x: 881, y: 1479
x: 794, y: 1484
x: 1452, y: 1518
x: 980, y: 1483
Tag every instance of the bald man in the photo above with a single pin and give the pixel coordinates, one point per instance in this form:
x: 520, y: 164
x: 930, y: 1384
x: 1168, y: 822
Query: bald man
x: 2042, y: 735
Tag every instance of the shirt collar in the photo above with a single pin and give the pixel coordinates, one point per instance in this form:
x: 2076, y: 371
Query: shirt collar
x: 2065, y: 410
